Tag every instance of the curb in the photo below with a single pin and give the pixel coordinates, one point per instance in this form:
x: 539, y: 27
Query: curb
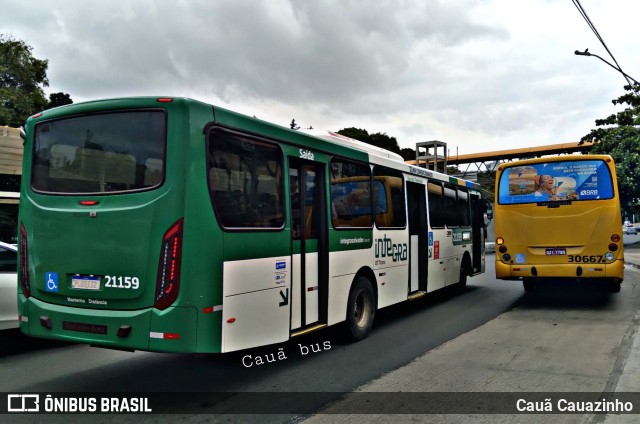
x: 636, y: 266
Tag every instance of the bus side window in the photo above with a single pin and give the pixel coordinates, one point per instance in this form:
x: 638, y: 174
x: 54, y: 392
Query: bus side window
x: 449, y: 205
x: 463, y: 214
x: 389, y: 201
x: 351, y: 194
x: 380, y: 207
x: 296, y: 201
x: 245, y: 181
x: 436, y: 210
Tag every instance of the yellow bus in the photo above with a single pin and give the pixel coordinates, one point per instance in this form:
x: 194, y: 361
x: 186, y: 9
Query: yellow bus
x: 558, y: 219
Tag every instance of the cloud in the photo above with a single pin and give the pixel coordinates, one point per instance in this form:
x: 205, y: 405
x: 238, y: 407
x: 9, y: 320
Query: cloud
x: 492, y: 71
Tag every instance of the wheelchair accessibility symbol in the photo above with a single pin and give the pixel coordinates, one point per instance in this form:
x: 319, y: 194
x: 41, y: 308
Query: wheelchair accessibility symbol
x: 51, y: 281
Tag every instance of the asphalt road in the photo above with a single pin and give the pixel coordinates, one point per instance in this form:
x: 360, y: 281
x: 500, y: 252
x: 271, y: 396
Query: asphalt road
x: 562, y: 341
x: 401, y: 333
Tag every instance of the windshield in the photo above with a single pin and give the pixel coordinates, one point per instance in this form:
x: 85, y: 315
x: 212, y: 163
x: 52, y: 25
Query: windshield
x: 100, y: 153
x: 568, y: 181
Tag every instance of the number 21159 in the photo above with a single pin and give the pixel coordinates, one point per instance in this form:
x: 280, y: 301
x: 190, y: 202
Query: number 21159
x: 119, y: 282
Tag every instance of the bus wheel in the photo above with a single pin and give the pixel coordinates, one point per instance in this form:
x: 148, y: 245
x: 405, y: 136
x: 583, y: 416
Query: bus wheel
x: 464, y: 273
x: 529, y: 285
x: 614, y: 286
x: 360, y: 309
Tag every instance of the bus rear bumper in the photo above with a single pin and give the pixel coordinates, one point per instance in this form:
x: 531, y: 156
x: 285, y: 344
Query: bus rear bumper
x: 171, y: 330
x: 614, y: 270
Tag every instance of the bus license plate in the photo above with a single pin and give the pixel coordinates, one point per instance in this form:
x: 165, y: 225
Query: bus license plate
x: 554, y: 252
x: 85, y: 282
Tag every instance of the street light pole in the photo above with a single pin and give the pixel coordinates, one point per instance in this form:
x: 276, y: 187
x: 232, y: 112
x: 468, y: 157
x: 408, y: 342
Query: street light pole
x: 617, y: 68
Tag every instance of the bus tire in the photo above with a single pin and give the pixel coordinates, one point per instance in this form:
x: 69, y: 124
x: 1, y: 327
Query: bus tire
x: 614, y: 286
x: 529, y: 285
x: 464, y: 273
x: 361, y: 309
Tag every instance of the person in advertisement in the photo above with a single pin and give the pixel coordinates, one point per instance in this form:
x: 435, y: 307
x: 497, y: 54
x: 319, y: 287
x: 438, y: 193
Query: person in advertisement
x: 545, y: 186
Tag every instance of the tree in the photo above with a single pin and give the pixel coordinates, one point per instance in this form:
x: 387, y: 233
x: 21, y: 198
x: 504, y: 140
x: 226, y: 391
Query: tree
x: 22, y: 77
x: 378, y: 139
x: 384, y: 141
x: 59, y: 99
x: 355, y: 133
x: 293, y: 125
x: 408, y: 153
x: 619, y: 136
x: 487, y: 181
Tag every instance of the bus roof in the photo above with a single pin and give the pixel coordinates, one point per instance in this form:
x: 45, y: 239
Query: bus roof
x: 383, y: 156
x: 357, y: 144
x: 561, y: 158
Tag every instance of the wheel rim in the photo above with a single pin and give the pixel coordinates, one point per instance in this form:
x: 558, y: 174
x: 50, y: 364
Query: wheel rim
x: 362, y: 310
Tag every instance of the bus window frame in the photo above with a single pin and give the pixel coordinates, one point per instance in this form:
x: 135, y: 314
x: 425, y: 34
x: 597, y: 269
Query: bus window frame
x: 102, y: 112
x: 445, y: 218
x: 549, y: 202
x: 467, y: 210
x: 388, y: 173
x: 454, y: 189
x: 330, y: 193
x: 430, y: 197
x: 208, y: 130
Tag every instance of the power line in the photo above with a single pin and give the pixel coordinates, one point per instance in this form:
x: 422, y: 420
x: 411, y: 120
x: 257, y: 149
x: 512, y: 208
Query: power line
x: 583, y: 12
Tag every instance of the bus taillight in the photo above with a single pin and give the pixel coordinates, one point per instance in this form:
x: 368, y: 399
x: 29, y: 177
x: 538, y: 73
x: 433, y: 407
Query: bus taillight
x: 168, y: 281
x: 25, y: 281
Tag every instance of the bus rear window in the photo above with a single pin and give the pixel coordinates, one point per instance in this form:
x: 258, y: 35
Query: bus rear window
x: 571, y: 180
x: 100, y: 153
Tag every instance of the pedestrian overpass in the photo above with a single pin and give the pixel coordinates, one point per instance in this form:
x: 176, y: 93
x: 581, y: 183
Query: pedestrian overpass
x: 427, y: 156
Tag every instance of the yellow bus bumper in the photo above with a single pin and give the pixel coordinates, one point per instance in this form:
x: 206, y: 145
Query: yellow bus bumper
x: 614, y: 269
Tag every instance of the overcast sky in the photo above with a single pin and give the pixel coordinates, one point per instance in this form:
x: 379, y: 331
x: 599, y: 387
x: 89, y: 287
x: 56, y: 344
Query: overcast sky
x: 479, y: 75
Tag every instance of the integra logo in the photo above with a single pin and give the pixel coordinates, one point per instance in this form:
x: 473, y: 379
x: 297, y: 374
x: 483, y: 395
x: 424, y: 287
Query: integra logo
x: 386, y: 248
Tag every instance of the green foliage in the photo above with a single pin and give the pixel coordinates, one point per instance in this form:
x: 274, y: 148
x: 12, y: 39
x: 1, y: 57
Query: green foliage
x: 408, y: 153
x: 619, y: 136
x: 59, y: 99
x: 384, y: 141
x: 21, y: 80
x: 380, y: 140
x: 9, y: 182
x: 377, y: 139
x: 487, y: 181
x: 357, y: 133
x: 452, y: 170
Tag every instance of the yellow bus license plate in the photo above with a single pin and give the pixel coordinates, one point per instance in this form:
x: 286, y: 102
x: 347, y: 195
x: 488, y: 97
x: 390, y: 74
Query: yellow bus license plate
x: 554, y: 252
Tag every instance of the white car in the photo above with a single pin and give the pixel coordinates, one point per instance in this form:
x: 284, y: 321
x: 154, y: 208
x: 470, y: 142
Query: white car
x: 629, y: 228
x: 8, y: 286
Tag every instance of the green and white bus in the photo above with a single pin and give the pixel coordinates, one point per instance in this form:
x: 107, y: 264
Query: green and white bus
x: 167, y: 224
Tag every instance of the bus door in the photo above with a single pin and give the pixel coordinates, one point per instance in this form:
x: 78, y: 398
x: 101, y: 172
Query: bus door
x: 477, y: 225
x: 309, y: 248
x: 418, y: 233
